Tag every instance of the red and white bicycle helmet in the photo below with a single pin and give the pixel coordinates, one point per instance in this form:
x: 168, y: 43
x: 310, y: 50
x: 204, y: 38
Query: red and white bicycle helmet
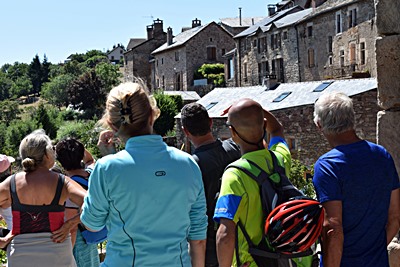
x: 294, y: 226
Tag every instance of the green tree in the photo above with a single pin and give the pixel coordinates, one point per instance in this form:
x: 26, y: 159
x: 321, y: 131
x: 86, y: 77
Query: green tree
x: 169, y: 110
x: 17, y: 70
x: 43, y: 121
x: 45, y: 69
x: 298, y: 178
x: 55, y: 91
x: 5, y: 86
x: 16, y: 131
x: 75, y: 68
x: 21, y: 87
x: 88, y: 94
x: 8, y: 111
x: 35, y: 73
x: 212, y: 72
x: 109, y: 74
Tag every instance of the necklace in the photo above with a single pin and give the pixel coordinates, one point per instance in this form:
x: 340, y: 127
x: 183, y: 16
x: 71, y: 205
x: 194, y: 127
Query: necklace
x: 34, y: 217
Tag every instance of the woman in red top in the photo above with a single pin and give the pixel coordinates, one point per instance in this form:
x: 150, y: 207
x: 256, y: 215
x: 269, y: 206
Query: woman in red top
x: 37, y: 196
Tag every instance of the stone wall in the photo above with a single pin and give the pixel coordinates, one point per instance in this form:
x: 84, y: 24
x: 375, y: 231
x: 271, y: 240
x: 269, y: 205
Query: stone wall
x: 302, y: 136
x: 388, y: 65
x: 337, y: 61
x: 191, y: 56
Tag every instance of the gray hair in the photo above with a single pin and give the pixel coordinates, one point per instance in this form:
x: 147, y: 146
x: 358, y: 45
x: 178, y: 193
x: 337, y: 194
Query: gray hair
x: 33, y: 148
x: 334, y: 113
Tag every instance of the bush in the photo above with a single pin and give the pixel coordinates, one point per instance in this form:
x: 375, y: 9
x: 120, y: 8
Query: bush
x: 169, y: 109
x: 298, y: 178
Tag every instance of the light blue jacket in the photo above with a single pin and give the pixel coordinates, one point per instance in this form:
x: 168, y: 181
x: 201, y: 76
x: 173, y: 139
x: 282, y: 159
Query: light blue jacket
x: 151, y: 198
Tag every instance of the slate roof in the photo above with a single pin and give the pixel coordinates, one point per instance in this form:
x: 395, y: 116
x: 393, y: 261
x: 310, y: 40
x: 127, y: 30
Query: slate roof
x: 133, y: 42
x: 328, y: 6
x: 235, y: 22
x: 301, y: 94
x: 292, y: 18
x: 266, y: 21
x: 183, y: 37
x: 186, y: 95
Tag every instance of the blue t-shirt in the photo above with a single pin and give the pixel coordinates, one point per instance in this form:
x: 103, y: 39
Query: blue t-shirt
x: 362, y: 176
x: 151, y: 198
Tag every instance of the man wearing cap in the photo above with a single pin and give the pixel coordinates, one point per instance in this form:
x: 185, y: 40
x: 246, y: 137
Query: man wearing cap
x: 5, y: 171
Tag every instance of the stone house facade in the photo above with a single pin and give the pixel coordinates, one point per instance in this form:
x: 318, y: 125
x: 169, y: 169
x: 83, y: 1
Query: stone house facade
x: 176, y: 61
x: 138, y: 54
x: 333, y: 40
x: 116, y: 54
x: 337, y: 40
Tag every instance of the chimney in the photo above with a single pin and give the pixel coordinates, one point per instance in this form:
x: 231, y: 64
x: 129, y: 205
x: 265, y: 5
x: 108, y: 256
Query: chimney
x: 240, y: 16
x: 271, y: 10
x: 195, y: 23
x: 157, y: 28
x: 169, y: 36
x: 149, y: 31
x: 270, y: 82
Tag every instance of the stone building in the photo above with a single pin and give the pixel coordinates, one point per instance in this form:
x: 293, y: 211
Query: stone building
x: 333, y: 40
x: 138, y: 54
x: 239, y: 24
x: 337, y: 40
x: 176, y: 61
x: 293, y: 105
x: 249, y: 63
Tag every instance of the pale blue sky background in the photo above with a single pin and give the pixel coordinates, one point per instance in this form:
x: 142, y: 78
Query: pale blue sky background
x: 59, y: 28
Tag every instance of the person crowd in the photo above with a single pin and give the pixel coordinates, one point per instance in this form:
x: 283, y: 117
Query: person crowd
x: 164, y: 207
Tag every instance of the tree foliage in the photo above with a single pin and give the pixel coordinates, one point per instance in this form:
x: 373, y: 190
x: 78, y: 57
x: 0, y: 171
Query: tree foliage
x: 56, y: 91
x: 169, y: 109
x: 109, y: 75
x: 299, y: 179
x: 8, y: 111
x: 88, y: 93
x: 44, y: 121
x: 212, y: 72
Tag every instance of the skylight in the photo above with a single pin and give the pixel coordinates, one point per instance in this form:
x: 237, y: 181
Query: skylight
x: 281, y: 97
x: 211, y: 105
x: 322, y: 86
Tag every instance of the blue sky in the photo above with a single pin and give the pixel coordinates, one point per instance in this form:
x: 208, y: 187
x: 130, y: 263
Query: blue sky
x: 59, y: 28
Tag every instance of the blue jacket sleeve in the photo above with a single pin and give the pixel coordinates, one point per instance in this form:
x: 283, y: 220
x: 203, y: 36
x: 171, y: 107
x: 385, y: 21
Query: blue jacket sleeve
x: 96, y: 205
x: 198, y: 217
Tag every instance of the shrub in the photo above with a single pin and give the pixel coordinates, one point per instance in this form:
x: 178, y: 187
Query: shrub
x: 169, y: 109
x: 298, y: 178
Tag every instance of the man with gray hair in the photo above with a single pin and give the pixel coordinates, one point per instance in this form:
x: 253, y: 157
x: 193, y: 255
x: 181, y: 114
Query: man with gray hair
x: 358, y: 186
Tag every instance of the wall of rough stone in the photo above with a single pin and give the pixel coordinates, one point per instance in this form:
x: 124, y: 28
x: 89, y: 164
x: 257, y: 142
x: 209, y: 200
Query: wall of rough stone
x: 323, y: 26
x: 191, y: 56
x: 306, y: 142
x: 388, y: 66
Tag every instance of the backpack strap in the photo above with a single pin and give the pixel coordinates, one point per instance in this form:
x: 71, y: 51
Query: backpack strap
x: 80, y: 180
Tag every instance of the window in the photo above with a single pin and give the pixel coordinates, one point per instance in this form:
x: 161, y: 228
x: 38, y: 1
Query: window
x: 330, y: 60
x: 211, y: 105
x: 255, y: 43
x: 120, y: 51
x: 223, y: 51
x: 231, y: 69
x: 112, y: 57
x: 265, y: 44
x: 330, y: 44
x: 311, y: 62
x: 163, y: 81
x: 322, y: 86
x: 362, y: 53
x: 259, y: 45
x: 162, y: 61
x: 210, y: 39
x: 281, y: 97
x: 211, y: 53
x: 309, y: 29
x: 272, y: 41
x: 341, y: 58
x: 338, y: 22
x: 352, y: 17
x: 278, y: 40
x: 158, y: 83
x: 245, y: 71
x: 353, y: 54
x: 285, y: 35
x: 177, y: 56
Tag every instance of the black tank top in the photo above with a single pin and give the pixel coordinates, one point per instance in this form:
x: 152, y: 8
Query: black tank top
x: 37, y: 218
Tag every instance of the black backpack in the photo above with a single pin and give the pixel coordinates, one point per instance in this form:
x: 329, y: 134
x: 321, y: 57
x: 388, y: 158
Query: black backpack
x: 275, y: 189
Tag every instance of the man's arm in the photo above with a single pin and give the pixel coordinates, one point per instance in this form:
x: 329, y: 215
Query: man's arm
x: 273, y: 127
x: 226, y: 235
x: 197, y: 252
x: 332, y: 234
x: 393, y: 225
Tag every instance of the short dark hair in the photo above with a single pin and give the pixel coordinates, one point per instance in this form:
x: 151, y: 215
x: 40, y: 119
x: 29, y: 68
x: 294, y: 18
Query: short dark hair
x: 70, y: 152
x: 195, y: 119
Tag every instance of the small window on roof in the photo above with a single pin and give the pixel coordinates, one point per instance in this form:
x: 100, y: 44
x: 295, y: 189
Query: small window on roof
x: 212, y: 104
x: 281, y: 97
x: 322, y: 86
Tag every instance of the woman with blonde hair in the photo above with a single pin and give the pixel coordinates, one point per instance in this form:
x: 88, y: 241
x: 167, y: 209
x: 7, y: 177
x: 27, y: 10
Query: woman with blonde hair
x: 150, y: 196
x: 37, y: 197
